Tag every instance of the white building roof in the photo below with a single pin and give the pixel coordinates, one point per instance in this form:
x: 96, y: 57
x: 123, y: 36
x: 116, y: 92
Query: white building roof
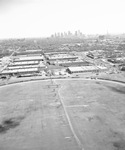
x: 75, y: 69
x: 62, y: 56
x: 34, y: 50
x: 23, y: 67
x: 19, y: 70
x: 29, y: 58
x: 85, y: 68
x: 25, y: 63
x: 101, y: 67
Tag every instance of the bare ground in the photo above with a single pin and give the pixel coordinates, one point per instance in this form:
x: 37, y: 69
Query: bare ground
x: 97, y: 113
x: 32, y: 116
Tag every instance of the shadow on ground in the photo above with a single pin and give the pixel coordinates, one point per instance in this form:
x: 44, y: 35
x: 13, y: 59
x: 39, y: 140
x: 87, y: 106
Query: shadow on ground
x: 10, y: 123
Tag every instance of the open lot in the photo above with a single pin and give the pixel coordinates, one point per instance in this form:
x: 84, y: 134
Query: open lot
x: 32, y: 116
x: 97, y: 113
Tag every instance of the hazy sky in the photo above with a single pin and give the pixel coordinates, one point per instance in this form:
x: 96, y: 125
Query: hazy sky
x: 39, y: 18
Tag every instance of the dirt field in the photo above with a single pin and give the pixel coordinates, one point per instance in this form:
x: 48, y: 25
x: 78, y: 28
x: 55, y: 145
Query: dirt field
x: 32, y: 116
x: 97, y: 112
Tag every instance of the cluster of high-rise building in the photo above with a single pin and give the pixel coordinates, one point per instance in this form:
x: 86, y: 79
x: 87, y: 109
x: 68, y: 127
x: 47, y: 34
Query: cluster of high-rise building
x: 68, y: 34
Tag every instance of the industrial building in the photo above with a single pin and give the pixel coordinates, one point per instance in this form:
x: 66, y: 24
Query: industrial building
x: 85, y: 69
x: 29, y: 62
x: 39, y: 51
x: 74, y: 63
x: 33, y: 50
x: 95, y: 54
x: 24, y: 63
x: 31, y: 58
x: 22, y: 67
x: 114, y: 61
x: 19, y: 71
x: 67, y: 63
x: 62, y: 57
x: 55, y: 53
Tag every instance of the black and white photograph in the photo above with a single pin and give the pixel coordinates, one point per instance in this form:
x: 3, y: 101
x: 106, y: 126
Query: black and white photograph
x: 62, y: 74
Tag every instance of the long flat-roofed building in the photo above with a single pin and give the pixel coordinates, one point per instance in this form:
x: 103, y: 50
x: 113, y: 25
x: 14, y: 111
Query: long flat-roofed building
x: 81, y: 69
x: 31, y: 58
x: 33, y: 50
x: 24, y: 63
x: 22, y: 67
x: 39, y: 51
x: 55, y: 53
x: 61, y: 57
x: 74, y: 63
x: 68, y: 63
x: 17, y: 71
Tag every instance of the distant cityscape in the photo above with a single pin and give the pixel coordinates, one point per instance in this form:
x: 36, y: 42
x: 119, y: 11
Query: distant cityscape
x: 79, y: 34
x: 68, y: 34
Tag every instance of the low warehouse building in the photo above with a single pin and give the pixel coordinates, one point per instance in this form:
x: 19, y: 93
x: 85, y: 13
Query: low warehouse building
x: 19, y: 71
x: 33, y: 58
x: 68, y: 63
x: 62, y: 57
x: 24, y: 63
x: 22, y: 67
x: 33, y: 50
x: 28, y: 52
x: 74, y: 63
x: 81, y: 69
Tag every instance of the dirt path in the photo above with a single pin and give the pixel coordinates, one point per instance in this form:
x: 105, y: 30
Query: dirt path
x: 69, y: 121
